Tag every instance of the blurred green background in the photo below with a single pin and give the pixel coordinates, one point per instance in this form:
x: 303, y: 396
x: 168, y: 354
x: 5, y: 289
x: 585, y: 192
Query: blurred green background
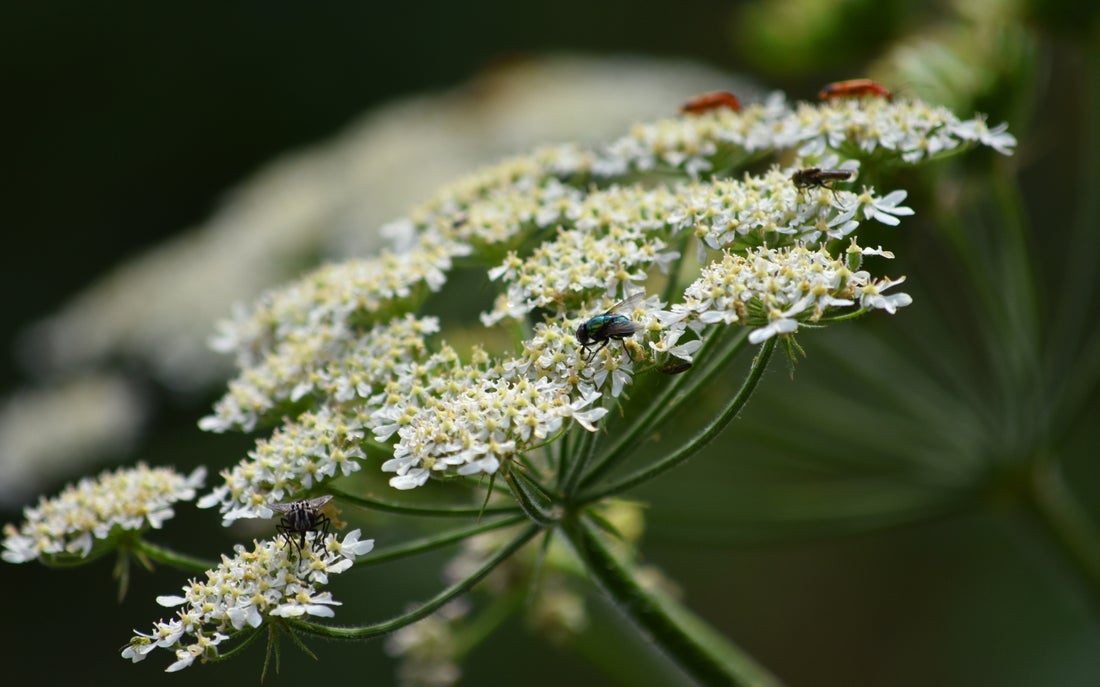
x: 125, y: 123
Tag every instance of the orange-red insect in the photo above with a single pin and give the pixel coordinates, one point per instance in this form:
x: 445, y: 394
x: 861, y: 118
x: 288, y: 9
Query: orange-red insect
x: 855, y: 88
x: 712, y: 100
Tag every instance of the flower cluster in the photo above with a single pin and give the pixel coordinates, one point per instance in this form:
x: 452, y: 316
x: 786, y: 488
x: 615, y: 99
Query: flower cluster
x: 562, y: 233
x: 329, y: 360
x: 776, y: 289
x: 129, y: 499
x: 905, y: 130
x: 315, y: 446
x: 554, y: 351
x: 245, y: 590
x: 614, y: 240
x: 725, y: 218
x: 475, y: 426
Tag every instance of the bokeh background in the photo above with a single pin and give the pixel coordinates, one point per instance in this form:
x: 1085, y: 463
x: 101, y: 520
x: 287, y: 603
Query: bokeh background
x: 132, y: 131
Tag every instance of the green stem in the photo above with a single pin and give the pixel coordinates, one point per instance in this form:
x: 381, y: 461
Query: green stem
x: 172, y: 558
x: 701, y: 381
x: 581, y: 455
x: 534, y: 484
x: 429, y: 607
x: 529, y: 500
x: 447, y: 512
x: 704, y: 437
x: 696, y: 647
x: 429, y: 543
x: 662, y: 407
x: 1067, y: 523
x: 253, y: 635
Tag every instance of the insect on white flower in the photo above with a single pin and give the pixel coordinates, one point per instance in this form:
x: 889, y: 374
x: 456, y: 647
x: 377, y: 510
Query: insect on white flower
x: 302, y: 517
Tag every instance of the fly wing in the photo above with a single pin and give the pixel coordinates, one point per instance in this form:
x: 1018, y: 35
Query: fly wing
x: 620, y: 328
x: 318, y: 501
x: 308, y: 504
x: 626, y: 304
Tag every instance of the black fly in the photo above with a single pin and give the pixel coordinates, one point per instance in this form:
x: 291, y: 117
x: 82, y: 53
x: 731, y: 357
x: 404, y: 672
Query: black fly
x: 812, y: 177
x: 300, y: 518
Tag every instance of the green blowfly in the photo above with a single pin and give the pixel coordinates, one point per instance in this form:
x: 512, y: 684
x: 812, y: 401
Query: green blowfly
x: 601, y: 329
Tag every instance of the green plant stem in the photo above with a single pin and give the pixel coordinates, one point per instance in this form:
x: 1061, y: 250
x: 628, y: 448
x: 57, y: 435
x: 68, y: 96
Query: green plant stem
x: 172, y: 558
x: 662, y: 407
x: 253, y: 635
x: 579, y: 457
x: 448, y: 512
x: 430, y: 543
x: 1067, y: 523
x: 429, y: 607
x: 529, y: 500
x: 704, y: 437
x: 533, y: 483
x: 700, y: 651
x: 701, y: 382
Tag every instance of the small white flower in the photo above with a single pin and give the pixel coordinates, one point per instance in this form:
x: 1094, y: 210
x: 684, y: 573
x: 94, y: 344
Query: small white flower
x: 351, y: 547
x: 411, y: 479
x: 872, y: 296
x: 306, y: 602
x: 184, y: 658
x: 780, y: 326
x: 170, y: 601
x: 886, y: 209
x: 976, y: 129
x: 877, y: 251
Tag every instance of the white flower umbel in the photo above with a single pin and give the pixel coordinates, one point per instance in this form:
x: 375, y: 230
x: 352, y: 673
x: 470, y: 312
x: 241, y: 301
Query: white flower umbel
x: 566, y: 231
x: 615, y: 238
x: 691, y: 144
x: 68, y: 525
x: 775, y: 290
x: 300, y: 454
x: 246, y: 590
x: 478, y: 423
x: 769, y: 208
x: 909, y: 130
x: 285, y: 345
x: 901, y: 130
